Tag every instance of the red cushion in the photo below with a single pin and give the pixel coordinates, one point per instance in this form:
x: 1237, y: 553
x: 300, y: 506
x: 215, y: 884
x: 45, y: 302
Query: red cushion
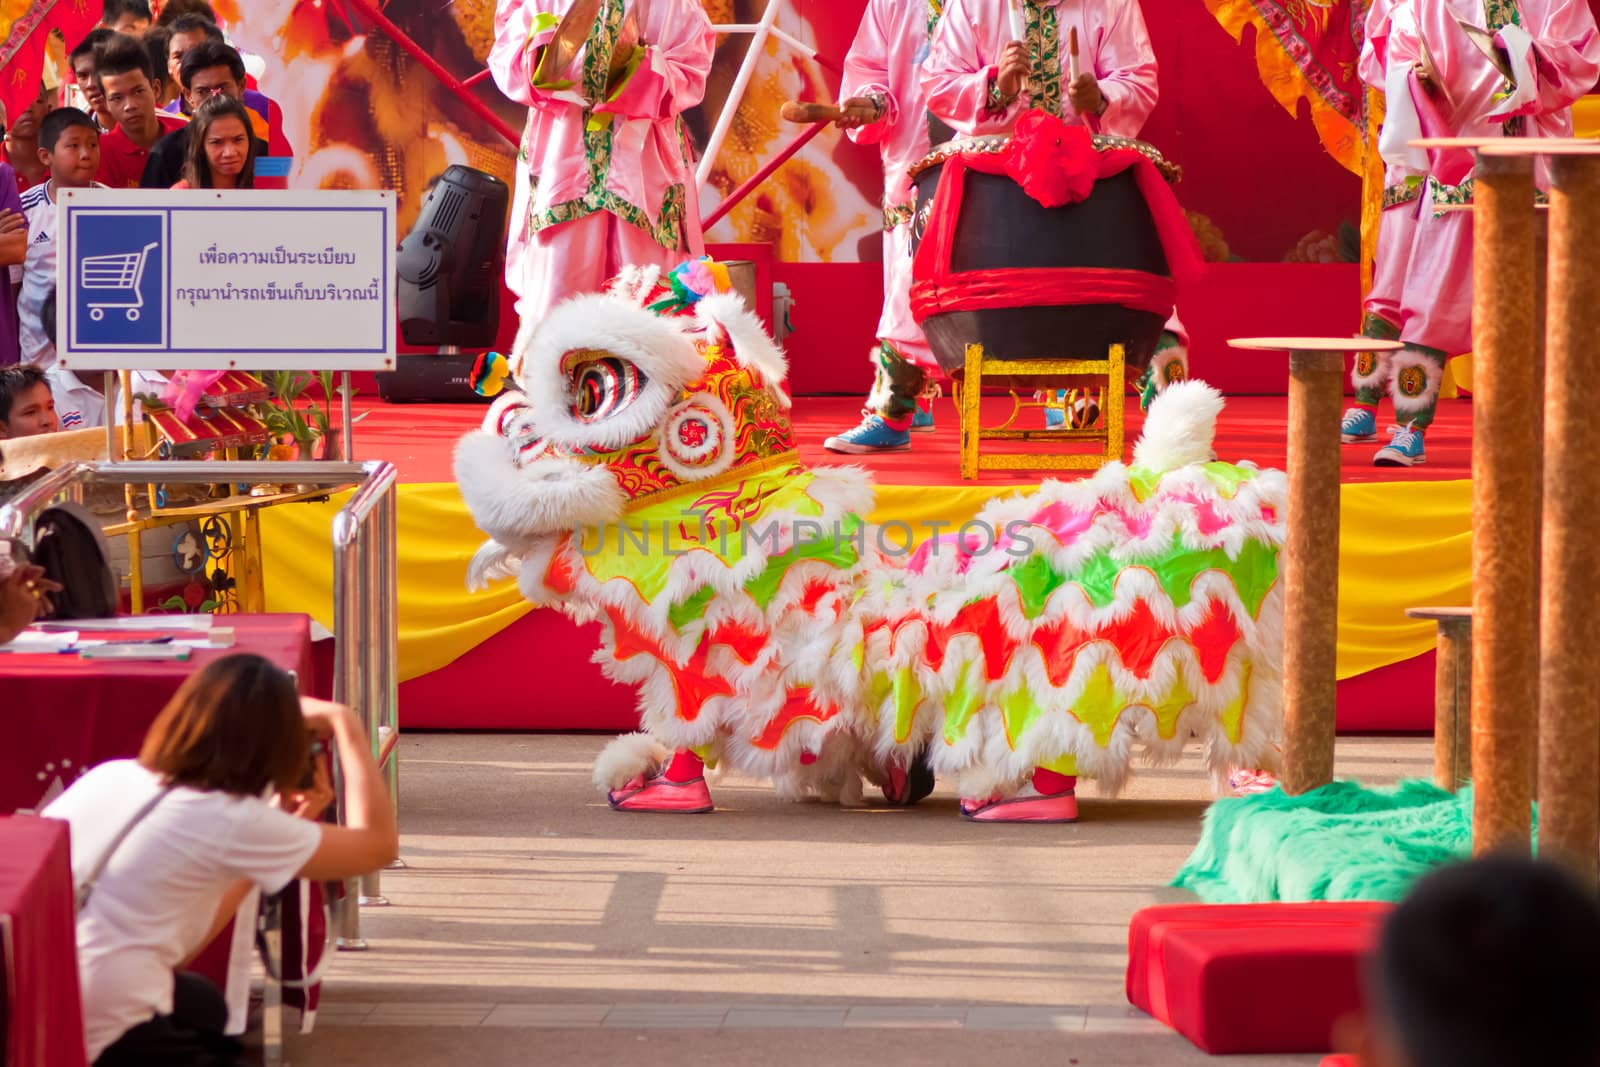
x: 1341, y: 1061
x: 1251, y: 978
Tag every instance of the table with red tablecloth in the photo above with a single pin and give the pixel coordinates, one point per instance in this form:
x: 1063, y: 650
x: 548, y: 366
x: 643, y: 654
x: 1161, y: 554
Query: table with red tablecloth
x: 39, y: 982
x: 64, y: 715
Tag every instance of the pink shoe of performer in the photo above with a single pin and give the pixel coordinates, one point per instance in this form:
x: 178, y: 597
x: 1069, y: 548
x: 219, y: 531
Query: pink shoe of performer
x: 1028, y: 805
x: 1249, y: 783
x: 660, y: 794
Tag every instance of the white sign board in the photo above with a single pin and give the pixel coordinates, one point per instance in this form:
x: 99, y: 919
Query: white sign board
x: 225, y: 280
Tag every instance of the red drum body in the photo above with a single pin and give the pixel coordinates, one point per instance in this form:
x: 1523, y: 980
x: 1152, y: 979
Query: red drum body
x: 996, y: 267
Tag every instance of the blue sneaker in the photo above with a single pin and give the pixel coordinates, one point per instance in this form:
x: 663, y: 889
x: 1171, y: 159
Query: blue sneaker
x: 922, y: 421
x: 1082, y: 407
x: 873, y: 435
x: 1403, y: 450
x: 1358, y: 424
x: 1056, y: 418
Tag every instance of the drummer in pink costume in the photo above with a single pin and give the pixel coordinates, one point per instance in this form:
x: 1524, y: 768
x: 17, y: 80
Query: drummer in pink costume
x: 604, y: 173
x: 1453, y: 89
x: 883, y: 73
x: 991, y: 60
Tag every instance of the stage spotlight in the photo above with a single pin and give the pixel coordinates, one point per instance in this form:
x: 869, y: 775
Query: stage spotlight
x: 448, y: 274
x: 451, y: 263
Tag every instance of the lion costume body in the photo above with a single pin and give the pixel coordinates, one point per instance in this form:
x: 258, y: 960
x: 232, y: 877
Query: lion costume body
x: 646, y: 477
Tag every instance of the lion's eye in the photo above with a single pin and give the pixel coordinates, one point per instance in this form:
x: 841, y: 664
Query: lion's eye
x: 603, y: 387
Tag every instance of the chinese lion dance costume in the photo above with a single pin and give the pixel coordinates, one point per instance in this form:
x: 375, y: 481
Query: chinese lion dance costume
x: 645, y: 475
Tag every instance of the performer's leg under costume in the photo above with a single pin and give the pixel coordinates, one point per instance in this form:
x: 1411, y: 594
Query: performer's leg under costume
x: 1435, y: 321
x: 897, y: 384
x: 1381, y: 321
x: 903, y: 363
x: 1169, y: 364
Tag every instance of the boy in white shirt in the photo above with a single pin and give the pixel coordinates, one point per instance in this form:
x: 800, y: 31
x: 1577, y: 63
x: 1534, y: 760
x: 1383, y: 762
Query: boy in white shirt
x: 69, y: 145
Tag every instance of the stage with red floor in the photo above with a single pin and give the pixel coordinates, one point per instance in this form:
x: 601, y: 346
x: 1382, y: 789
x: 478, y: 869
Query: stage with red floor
x: 420, y: 440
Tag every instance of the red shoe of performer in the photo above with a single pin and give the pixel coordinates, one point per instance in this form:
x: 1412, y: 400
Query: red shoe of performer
x: 660, y: 794
x: 1029, y: 805
x: 897, y: 784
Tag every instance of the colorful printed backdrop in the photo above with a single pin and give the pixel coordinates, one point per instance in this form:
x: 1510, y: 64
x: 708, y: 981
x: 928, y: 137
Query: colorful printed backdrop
x: 362, y: 114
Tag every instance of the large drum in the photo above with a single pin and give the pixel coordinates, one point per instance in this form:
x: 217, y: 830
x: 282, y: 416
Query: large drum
x: 1050, y: 265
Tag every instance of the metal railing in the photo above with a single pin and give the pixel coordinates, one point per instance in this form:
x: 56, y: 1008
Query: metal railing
x: 365, y: 592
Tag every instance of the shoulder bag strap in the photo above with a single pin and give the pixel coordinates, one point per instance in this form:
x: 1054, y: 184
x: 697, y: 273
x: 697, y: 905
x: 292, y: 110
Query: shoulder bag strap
x: 87, y: 888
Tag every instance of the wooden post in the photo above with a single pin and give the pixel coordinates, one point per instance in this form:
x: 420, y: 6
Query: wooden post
x: 1311, y: 570
x: 1569, y: 719
x: 1310, y: 560
x: 1505, y: 505
x: 1452, y: 695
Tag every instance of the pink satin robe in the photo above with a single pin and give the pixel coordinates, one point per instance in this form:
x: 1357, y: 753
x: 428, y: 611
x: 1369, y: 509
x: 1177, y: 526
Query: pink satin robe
x: 586, y: 196
x: 1113, y: 45
x: 1436, y: 306
x: 886, y: 58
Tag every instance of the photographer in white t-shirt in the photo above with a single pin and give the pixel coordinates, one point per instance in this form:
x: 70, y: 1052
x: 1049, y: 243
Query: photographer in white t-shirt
x: 218, y: 803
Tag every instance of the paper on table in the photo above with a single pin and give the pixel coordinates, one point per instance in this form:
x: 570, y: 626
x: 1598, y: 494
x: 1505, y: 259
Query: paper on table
x: 167, y: 651
x: 142, y: 623
x: 41, y: 641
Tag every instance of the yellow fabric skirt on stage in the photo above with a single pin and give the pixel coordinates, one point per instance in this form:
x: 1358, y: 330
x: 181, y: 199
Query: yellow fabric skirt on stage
x: 1401, y: 544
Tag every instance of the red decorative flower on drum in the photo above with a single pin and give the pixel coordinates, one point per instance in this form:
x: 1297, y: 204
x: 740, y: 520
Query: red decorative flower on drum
x: 1055, y: 163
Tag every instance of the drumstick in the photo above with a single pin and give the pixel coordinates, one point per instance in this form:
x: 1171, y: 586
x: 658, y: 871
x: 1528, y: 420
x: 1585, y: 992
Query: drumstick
x: 804, y: 111
x: 1073, y: 69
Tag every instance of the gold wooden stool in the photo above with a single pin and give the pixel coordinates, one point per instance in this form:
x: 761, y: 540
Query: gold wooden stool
x: 1109, y: 431
x: 1452, y: 695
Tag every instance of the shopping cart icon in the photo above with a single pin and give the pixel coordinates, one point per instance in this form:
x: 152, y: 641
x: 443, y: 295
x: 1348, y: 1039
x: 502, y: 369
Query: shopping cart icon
x: 121, y: 273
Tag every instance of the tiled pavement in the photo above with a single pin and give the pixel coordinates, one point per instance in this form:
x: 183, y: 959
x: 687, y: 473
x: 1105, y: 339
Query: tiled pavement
x: 532, y: 924
x: 644, y: 1015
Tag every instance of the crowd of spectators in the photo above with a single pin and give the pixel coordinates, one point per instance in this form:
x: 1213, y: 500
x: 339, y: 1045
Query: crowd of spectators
x: 147, y: 100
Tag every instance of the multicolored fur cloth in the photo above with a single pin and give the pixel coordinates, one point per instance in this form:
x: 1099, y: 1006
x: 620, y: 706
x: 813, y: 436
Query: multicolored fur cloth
x: 645, y: 476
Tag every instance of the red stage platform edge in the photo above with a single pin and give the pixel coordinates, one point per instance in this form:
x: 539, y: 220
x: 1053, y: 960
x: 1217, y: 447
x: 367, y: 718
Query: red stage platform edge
x: 1238, y: 979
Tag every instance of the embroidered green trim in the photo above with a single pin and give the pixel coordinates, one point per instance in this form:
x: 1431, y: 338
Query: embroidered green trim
x: 1401, y: 193
x: 1498, y: 14
x: 1042, y: 35
x: 896, y: 215
x: 1444, y: 195
x: 1378, y: 328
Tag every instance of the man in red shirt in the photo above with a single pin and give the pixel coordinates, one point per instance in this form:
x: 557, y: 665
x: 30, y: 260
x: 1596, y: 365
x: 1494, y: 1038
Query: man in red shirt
x: 22, y: 143
x: 131, y: 88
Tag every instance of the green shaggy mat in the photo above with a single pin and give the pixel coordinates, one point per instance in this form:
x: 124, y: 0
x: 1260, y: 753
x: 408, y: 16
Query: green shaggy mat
x: 1340, y: 842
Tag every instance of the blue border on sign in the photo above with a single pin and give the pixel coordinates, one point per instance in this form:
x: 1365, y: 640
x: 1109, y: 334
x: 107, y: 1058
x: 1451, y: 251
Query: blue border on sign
x: 388, y: 302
